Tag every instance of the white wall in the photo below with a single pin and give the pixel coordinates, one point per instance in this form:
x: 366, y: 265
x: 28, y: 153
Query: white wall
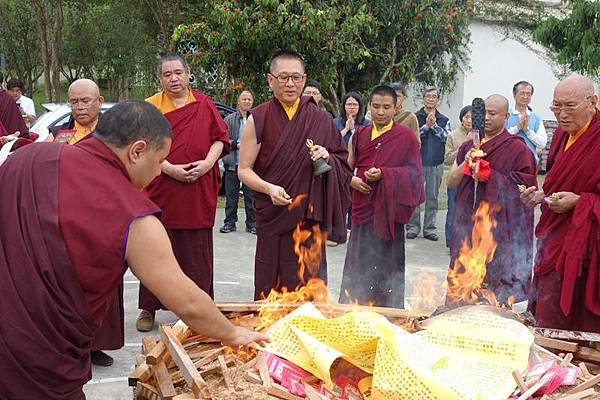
x: 498, y: 63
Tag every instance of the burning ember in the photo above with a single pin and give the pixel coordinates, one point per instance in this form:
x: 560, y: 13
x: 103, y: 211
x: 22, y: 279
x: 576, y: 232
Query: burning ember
x: 428, y: 294
x: 465, y: 278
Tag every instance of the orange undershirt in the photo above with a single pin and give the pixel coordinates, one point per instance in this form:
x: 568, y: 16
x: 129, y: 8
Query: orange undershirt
x: 164, y: 103
x: 82, y: 131
x: 574, y: 137
x: 291, y: 110
x: 375, y: 133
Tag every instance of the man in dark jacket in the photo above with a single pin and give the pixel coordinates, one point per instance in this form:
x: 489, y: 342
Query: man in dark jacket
x: 433, y: 127
x: 235, y: 122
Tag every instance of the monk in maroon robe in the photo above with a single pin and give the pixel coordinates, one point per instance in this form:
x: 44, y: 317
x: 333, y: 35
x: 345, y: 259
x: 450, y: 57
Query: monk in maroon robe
x: 388, y: 186
x: 508, y: 163
x: 10, y: 117
x: 276, y: 163
x: 567, y: 264
x: 73, y: 219
x: 187, y: 189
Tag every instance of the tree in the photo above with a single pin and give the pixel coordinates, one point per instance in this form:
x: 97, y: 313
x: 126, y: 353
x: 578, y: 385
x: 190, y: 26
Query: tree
x: 347, y: 44
x: 49, y: 16
x: 575, y: 38
x: 19, y: 43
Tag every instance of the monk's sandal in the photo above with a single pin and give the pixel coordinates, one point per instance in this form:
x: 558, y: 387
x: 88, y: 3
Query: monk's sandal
x: 145, y: 321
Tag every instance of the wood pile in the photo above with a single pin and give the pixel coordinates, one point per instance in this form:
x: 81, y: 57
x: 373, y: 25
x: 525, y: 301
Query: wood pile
x: 183, y: 365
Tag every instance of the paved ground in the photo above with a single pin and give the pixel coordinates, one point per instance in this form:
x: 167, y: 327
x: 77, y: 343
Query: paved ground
x: 234, y: 265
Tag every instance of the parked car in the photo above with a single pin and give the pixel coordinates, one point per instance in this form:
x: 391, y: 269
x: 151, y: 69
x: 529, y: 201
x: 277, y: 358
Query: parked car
x: 57, y: 114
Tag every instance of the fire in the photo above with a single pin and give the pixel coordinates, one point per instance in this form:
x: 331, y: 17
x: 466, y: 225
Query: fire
x: 466, y: 278
x: 428, y: 294
x: 308, y: 244
x: 296, y: 202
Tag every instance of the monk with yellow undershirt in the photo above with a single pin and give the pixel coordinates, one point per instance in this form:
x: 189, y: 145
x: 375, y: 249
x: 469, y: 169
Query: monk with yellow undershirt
x: 85, y: 102
x: 276, y: 164
x: 567, y: 264
x: 187, y: 189
x: 388, y: 186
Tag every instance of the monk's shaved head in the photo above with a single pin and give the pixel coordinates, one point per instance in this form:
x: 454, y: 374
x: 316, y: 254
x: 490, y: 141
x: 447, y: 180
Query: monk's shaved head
x: 574, y: 102
x: 578, y: 83
x: 87, y: 86
x: 498, y: 99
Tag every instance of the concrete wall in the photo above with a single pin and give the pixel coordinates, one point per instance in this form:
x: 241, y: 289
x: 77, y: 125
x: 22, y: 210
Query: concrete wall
x: 496, y: 64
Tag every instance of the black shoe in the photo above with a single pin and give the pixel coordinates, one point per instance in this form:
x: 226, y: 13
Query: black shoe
x: 101, y: 358
x: 432, y: 236
x: 251, y: 229
x: 411, y: 235
x: 227, y: 228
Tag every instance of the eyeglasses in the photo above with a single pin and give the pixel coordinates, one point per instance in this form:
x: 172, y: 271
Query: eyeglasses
x: 352, y: 105
x: 568, y: 108
x: 310, y: 93
x: 283, y: 78
x: 85, y: 103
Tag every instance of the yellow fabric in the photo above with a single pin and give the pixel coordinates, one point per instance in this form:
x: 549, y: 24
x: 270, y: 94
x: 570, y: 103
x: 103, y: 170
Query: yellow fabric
x: 82, y: 131
x: 291, y: 110
x: 164, y: 103
x: 573, y: 138
x: 375, y: 133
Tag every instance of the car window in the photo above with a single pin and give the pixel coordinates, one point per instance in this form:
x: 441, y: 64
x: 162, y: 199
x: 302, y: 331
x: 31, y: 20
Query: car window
x: 65, y: 118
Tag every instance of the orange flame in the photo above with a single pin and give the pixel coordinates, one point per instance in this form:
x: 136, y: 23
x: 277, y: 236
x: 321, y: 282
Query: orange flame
x: 308, y: 244
x: 296, y: 202
x: 428, y: 294
x: 465, y: 278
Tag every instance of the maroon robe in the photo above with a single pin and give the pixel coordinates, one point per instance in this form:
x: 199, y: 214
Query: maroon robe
x: 188, y: 209
x: 65, y: 219
x: 284, y: 160
x: 567, y: 265
x: 512, y: 164
x: 10, y: 116
x: 374, y: 266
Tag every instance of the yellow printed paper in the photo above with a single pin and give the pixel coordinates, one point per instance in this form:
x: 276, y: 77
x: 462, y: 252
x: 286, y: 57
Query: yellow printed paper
x: 467, y: 353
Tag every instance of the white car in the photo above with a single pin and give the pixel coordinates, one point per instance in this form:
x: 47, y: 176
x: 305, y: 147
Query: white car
x: 55, y: 114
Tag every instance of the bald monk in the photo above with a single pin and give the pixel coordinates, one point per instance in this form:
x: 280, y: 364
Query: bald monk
x: 567, y: 263
x: 85, y: 102
x: 11, y: 121
x: 510, y: 163
x: 276, y: 163
x: 388, y: 186
x: 73, y: 219
x: 187, y: 189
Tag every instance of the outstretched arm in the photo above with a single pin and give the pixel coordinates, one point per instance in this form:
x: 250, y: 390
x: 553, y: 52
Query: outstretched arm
x: 150, y: 257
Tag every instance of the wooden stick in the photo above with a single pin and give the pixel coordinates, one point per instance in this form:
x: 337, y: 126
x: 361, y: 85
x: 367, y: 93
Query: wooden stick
x: 180, y: 330
x: 566, y: 360
x: 183, y: 361
x: 588, y: 354
x: 140, y: 374
x: 164, y: 382
x: 567, y: 335
x: 536, y: 386
x: 253, y: 377
x: 261, y: 365
x: 225, y: 372
x: 556, y: 344
x: 584, y: 371
x: 580, y: 395
x: 585, y: 385
x: 279, y: 391
x: 519, y: 380
x: 147, y: 392
x: 148, y: 344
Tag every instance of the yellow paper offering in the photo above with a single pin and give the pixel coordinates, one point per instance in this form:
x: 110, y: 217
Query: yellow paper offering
x: 466, y: 353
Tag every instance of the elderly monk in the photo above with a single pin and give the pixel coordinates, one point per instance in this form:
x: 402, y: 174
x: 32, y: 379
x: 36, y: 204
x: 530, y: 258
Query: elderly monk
x: 567, y: 263
x: 276, y: 163
x: 73, y: 219
x: 506, y: 163
x: 187, y: 189
x: 85, y: 102
x: 11, y: 121
x: 388, y: 186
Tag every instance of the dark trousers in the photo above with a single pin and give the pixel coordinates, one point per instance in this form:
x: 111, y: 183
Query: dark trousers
x: 450, y: 214
x: 232, y: 193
